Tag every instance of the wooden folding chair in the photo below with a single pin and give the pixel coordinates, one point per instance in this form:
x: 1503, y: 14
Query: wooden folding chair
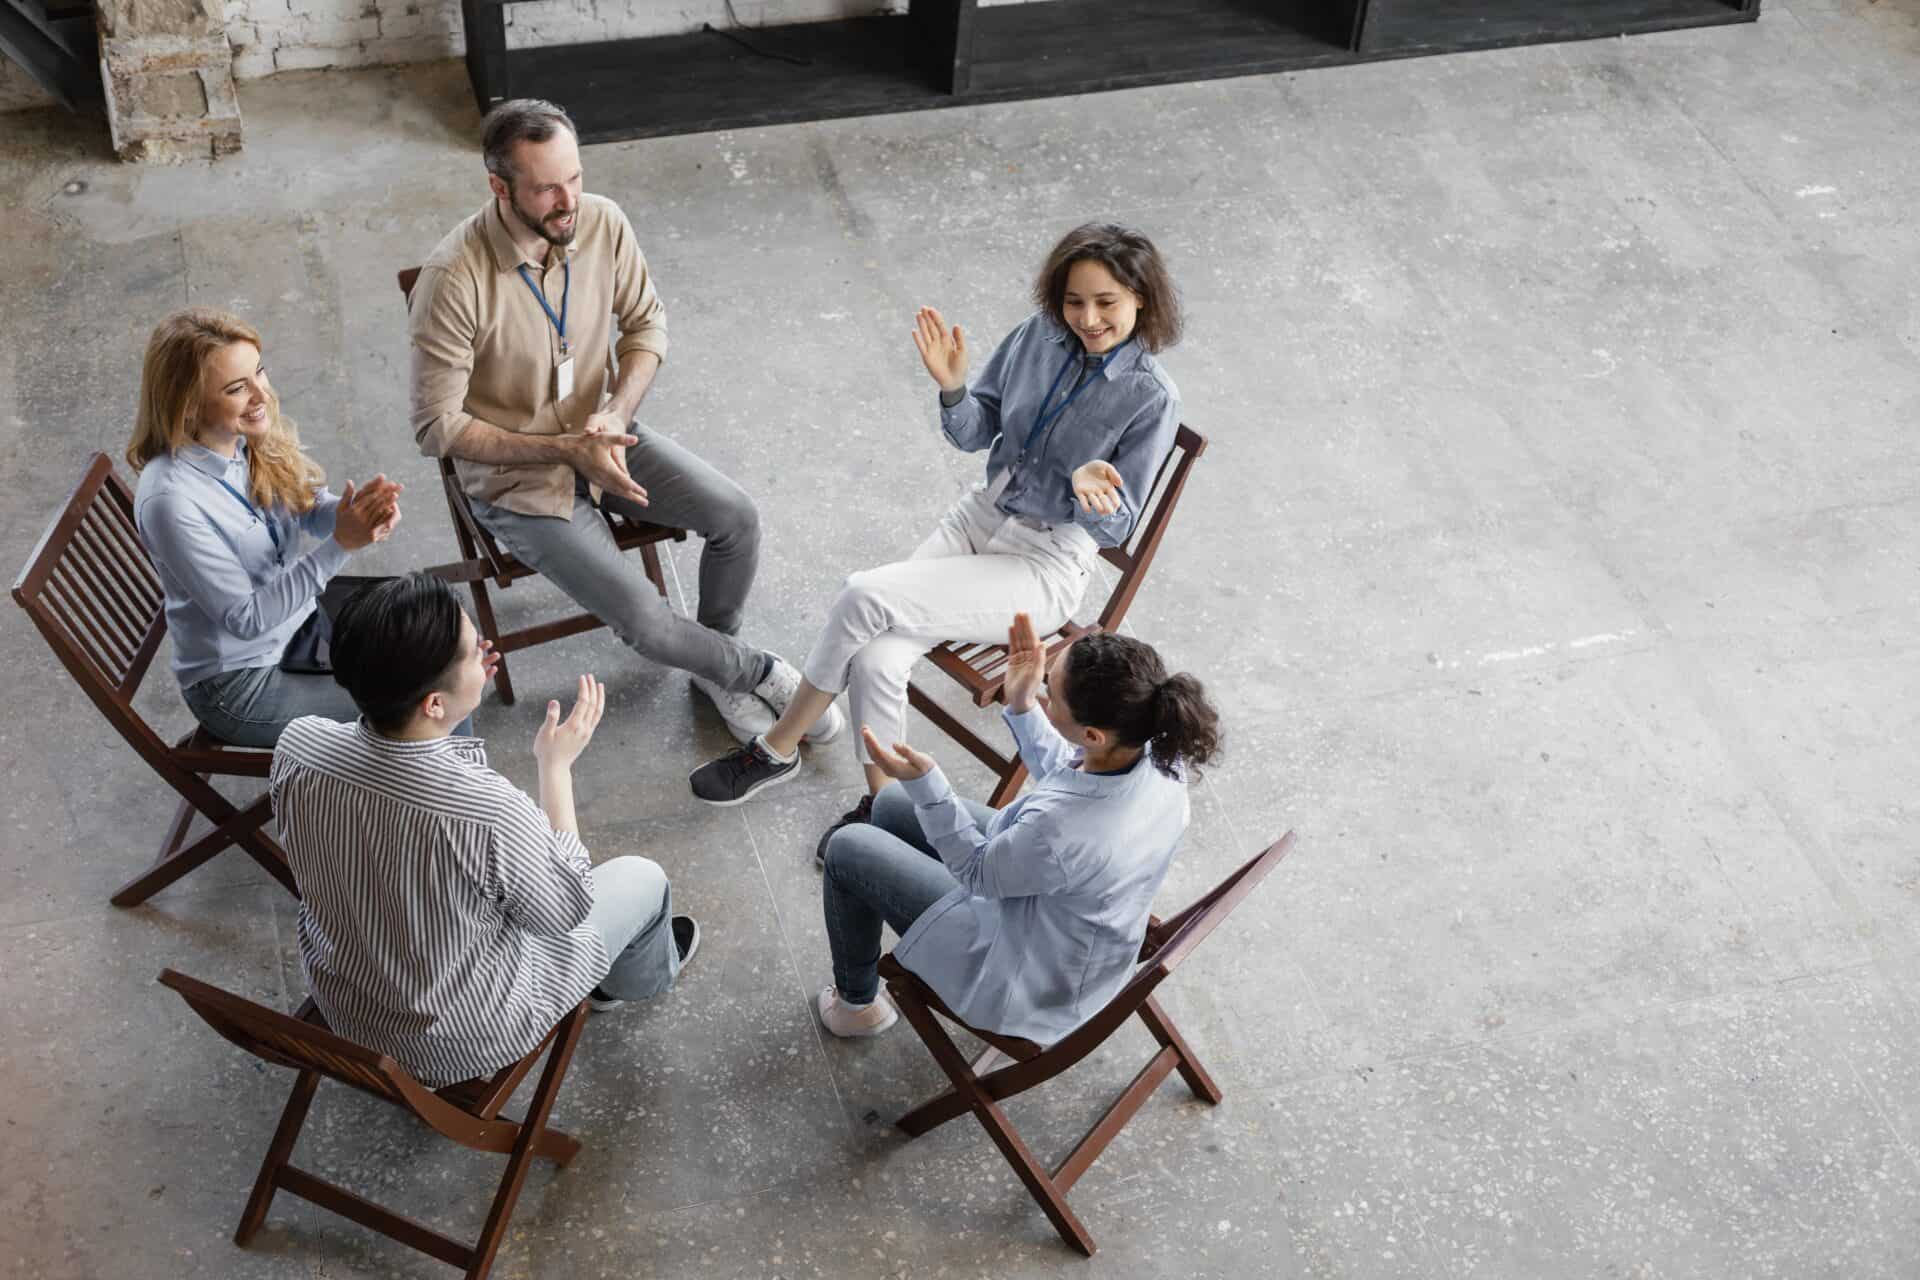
x: 981, y: 669
x: 468, y: 1113
x: 91, y: 589
x: 483, y: 558
x: 979, y: 1088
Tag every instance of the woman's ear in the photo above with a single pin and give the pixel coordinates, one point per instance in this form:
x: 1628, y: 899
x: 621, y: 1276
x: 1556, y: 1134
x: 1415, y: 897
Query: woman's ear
x: 1095, y: 739
x: 434, y: 705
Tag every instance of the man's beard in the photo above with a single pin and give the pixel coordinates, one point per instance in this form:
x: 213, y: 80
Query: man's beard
x: 533, y: 224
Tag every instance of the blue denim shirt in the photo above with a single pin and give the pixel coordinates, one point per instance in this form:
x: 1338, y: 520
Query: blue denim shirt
x: 1128, y: 417
x: 1054, y: 895
x: 231, y: 602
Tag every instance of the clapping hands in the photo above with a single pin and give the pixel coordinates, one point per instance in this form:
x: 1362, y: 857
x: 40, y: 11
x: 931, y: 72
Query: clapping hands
x: 1026, y: 666
x: 367, y: 514
x: 902, y: 764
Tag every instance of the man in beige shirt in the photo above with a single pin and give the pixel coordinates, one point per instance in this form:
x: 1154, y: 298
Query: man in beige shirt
x: 511, y: 325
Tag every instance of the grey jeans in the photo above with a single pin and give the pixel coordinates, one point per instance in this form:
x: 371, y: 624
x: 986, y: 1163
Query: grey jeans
x: 249, y: 707
x: 580, y: 557
x: 633, y: 914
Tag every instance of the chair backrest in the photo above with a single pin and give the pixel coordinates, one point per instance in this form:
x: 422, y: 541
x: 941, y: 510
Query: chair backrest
x: 288, y: 1041
x: 1168, y: 942
x: 1135, y: 556
x: 94, y: 594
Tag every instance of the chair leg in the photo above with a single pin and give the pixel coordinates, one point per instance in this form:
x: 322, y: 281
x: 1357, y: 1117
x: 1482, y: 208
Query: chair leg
x: 490, y: 630
x: 230, y: 826
x: 1009, y: 785
x: 1038, y: 1182
x: 650, y: 559
x: 527, y: 1145
x: 1187, y: 1064
x: 278, y: 1153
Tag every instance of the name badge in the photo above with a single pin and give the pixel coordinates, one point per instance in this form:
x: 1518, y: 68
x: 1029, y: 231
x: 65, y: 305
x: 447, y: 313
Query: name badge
x: 563, y: 379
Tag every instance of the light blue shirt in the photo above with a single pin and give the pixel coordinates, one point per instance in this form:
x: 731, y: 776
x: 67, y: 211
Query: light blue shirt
x: 232, y: 600
x: 1127, y: 416
x: 1054, y: 895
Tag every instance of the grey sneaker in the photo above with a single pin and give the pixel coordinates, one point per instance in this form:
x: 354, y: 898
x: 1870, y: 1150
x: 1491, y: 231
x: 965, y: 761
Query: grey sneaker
x: 740, y: 775
x: 746, y: 716
x: 777, y: 691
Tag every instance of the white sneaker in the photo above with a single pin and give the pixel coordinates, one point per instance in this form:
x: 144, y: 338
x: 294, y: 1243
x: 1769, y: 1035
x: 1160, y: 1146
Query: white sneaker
x: 747, y: 716
x: 851, y: 1023
x: 777, y: 691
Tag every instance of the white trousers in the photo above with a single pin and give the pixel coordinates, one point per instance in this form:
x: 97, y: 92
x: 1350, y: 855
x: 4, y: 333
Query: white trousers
x: 976, y: 570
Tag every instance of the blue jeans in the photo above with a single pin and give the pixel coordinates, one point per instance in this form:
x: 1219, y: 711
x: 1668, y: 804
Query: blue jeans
x: 633, y: 914
x: 250, y: 706
x: 883, y: 872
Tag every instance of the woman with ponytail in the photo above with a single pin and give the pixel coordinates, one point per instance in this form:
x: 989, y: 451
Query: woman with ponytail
x: 242, y: 529
x: 1026, y: 920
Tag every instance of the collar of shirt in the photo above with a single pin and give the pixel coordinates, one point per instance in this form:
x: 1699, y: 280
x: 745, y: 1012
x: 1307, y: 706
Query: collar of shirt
x: 507, y: 255
x: 1116, y: 362
x: 213, y: 465
x: 1081, y: 783
x: 472, y: 747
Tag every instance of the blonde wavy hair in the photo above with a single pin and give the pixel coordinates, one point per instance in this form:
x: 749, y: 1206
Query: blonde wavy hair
x: 172, y: 384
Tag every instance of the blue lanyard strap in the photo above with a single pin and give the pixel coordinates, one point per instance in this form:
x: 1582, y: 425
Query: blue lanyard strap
x: 1044, y: 419
x: 279, y: 557
x: 559, y: 321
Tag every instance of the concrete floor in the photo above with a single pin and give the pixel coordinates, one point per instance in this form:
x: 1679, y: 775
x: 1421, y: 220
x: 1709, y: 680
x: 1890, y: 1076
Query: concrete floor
x: 1554, y: 562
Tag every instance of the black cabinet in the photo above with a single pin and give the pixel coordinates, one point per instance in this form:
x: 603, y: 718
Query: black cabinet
x: 949, y: 52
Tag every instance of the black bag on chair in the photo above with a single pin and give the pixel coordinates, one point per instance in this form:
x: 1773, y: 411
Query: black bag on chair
x: 309, y: 650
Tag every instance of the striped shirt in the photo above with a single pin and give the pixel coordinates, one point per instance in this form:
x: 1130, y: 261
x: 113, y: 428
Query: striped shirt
x: 441, y: 915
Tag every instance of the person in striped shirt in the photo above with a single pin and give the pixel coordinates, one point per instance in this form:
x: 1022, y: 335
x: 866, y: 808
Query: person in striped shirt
x: 448, y: 919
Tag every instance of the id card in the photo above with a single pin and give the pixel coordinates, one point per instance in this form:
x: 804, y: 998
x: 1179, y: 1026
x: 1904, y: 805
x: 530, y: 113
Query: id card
x: 563, y: 379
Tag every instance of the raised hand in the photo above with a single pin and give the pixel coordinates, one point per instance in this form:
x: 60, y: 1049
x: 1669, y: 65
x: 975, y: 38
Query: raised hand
x: 942, y: 350
x: 558, y: 743
x: 490, y: 659
x: 902, y: 764
x: 1026, y: 665
x: 1096, y: 485
x: 366, y: 514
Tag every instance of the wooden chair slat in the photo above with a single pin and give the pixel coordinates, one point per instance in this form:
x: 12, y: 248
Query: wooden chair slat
x: 93, y: 560
x: 95, y: 633
x: 1034, y: 1065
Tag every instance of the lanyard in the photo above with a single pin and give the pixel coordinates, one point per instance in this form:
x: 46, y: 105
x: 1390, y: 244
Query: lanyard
x: 279, y: 557
x: 560, y: 321
x: 1043, y: 419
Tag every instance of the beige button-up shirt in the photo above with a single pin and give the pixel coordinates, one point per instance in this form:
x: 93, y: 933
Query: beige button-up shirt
x: 483, y: 347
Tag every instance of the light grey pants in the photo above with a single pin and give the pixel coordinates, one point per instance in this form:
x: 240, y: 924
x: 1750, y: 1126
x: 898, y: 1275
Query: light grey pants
x: 633, y: 914
x: 580, y: 557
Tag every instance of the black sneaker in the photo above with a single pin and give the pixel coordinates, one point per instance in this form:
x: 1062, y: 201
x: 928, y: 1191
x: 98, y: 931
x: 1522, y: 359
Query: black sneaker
x: 686, y: 940
x: 862, y: 812
x: 739, y: 775
x: 686, y: 937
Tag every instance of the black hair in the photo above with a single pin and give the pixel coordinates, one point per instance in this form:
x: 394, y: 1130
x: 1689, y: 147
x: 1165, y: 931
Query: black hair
x: 1133, y: 261
x: 392, y: 643
x: 515, y: 121
x: 1120, y: 684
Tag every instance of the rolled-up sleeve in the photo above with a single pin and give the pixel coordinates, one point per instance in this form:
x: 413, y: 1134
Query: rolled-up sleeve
x: 1020, y: 862
x: 1142, y: 446
x: 442, y: 320
x: 637, y: 309
x: 543, y: 876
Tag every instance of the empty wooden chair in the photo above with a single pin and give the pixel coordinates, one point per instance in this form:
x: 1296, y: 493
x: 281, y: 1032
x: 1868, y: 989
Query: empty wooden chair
x: 979, y: 1088
x: 92, y: 591
x: 482, y: 557
x: 467, y: 1113
x: 981, y: 669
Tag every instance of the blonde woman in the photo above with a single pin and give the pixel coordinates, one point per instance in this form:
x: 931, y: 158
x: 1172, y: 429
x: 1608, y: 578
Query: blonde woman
x: 241, y: 527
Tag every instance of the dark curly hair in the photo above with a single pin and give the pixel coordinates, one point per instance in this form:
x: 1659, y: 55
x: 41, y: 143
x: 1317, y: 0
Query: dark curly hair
x: 1133, y: 261
x: 1120, y: 684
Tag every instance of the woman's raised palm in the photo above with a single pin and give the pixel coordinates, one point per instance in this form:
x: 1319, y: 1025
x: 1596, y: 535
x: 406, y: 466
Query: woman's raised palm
x: 942, y: 350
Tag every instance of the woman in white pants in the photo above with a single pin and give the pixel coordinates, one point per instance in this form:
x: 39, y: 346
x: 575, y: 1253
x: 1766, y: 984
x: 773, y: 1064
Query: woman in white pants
x: 1076, y: 415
